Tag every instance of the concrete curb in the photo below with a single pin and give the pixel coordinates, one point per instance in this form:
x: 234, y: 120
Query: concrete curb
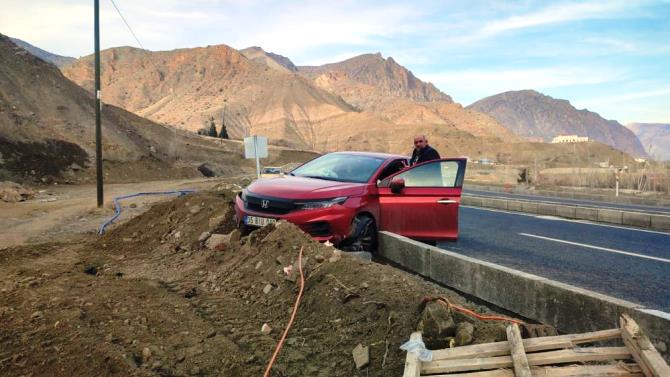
x: 609, y: 216
x: 572, y: 195
x: 570, y: 309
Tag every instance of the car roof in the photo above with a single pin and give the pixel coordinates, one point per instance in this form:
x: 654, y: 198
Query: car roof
x: 386, y: 156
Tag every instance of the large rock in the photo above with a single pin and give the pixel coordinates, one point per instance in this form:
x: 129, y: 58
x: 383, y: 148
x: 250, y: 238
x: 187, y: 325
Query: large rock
x: 218, y: 241
x: 361, y: 356
x: 13, y: 192
x: 437, y: 325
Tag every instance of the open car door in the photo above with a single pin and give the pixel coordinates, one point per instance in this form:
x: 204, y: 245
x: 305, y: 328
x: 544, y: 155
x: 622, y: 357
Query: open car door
x: 422, y: 202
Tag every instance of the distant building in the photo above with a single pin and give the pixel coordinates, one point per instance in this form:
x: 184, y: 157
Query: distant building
x: 641, y: 160
x: 569, y: 139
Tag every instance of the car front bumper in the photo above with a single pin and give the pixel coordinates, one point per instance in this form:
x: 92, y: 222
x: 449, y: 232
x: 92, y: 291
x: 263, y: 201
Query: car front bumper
x: 324, y: 224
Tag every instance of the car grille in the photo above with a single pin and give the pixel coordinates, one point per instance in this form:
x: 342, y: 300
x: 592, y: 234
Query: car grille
x: 317, y: 228
x: 268, y: 205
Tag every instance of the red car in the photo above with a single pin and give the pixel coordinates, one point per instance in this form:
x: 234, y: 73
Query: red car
x: 345, y: 197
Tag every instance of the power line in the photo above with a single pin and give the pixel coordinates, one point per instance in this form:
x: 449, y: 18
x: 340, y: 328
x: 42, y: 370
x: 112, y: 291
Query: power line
x: 127, y: 24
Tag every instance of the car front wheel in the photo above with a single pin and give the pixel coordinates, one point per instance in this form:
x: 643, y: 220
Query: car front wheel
x: 362, y: 236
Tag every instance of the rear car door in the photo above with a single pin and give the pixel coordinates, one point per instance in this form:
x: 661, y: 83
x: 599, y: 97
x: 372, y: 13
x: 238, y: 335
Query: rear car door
x: 426, y: 207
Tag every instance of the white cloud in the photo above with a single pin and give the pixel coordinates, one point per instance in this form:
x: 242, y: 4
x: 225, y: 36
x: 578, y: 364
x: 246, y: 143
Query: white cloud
x: 557, y: 14
x: 660, y: 92
x: 476, y: 84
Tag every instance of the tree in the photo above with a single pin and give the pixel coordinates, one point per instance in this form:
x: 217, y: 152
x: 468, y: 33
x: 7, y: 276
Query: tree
x: 224, y: 131
x: 203, y: 131
x: 212, y: 127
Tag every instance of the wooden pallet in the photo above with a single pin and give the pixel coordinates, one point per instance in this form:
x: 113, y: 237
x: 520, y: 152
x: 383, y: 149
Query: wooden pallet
x: 552, y: 356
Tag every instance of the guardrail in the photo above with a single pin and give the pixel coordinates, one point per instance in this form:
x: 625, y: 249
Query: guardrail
x: 570, y: 309
x: 609, y: 216
x: 624, y: 199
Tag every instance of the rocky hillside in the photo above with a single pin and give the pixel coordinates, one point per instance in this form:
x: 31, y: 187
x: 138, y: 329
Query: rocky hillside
x: 532, y: 114
x: 655, y: 137
x: 47, y: 131
x: 270, y: 59
x: 258, y: 92
x: 58, y: 60
x: 384, y: 77
x: 186, y: 87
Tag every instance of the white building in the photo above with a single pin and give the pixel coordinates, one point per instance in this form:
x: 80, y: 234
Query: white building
x: 570, y: 139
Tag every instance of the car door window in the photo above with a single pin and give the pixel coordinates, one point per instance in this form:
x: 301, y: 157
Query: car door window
x: 392, y: 168
x: 432, y: 174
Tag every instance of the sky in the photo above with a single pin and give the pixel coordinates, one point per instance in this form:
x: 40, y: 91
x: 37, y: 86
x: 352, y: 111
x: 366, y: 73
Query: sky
x: 611, y: 57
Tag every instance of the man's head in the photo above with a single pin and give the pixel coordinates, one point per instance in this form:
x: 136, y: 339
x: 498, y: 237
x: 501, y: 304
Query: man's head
x: 420, y: 141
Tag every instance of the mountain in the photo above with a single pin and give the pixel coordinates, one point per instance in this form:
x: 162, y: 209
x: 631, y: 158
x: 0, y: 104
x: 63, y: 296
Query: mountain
x: 270, y: 59
x: 186, y: 87
x: 531, y: 114
x: 47, y: 132
x: 374, y: 75
x: 58, y: 60
x: 655, y: 137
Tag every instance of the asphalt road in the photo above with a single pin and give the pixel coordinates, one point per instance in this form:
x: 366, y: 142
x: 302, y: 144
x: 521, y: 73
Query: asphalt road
x: 626, y: 263
x: 568, y: 201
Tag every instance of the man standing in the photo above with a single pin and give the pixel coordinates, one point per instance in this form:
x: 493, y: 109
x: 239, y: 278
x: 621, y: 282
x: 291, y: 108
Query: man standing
x: 422, y: 151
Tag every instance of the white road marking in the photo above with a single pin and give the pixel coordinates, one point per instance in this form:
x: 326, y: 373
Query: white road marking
x: 596, y: 247
x: 578, y: 221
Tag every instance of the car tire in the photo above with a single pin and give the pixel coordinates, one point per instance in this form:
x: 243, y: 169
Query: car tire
x: 362, y: 236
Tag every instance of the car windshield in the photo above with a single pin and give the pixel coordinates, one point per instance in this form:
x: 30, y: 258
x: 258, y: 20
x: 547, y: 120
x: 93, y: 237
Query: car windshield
x: 340, y: 167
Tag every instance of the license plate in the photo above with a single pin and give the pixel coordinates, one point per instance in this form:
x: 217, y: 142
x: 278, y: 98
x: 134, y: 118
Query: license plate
x: 258, y: 221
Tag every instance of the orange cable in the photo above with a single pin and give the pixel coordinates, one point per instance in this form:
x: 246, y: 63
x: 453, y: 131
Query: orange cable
x: 446, y: 302
x: 290, y: 322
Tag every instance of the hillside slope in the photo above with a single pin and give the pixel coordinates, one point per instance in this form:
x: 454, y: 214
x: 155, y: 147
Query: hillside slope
x: 655, y: 137
x: 533, y: 114
x: 47, y: 131
x: 58, y: 60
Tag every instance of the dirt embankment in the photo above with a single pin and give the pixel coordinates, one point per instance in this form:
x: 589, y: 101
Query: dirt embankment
x: 148, y: 299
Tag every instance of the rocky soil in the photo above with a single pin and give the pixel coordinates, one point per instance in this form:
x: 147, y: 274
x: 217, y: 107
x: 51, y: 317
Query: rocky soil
x: 159, y: 296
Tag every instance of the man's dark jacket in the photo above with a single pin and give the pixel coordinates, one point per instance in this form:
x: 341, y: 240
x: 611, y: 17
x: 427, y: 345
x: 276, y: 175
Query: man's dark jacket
x: 423, y: 155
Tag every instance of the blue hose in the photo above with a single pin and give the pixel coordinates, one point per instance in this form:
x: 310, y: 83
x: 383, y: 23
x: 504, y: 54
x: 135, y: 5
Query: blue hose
x: 117, y: 205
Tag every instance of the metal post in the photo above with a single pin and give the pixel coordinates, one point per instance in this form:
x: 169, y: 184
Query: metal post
x: 98, y: 104
x: 258, y: 163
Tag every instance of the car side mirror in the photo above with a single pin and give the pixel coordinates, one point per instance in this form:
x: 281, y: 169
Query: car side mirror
x: 397, y: 185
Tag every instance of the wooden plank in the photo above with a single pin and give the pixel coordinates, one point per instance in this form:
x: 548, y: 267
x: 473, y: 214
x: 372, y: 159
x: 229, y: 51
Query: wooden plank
x: 530, y: 345
x: 534, y: 359
x: 626, y: 370
x: 521, y: 368
x: 643, y: 351
x: 412, y: 362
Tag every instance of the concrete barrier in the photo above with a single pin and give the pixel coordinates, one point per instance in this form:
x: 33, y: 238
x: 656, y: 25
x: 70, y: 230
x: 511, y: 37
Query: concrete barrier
x: 590, y: 214
x: 641, y: 220
x: 569, y: 212
x: 530, y: 207
x: 610, y: 216
x: 570, y: 309
x: 660, y: 222
x: 546, y: 209
x: 625, y: 199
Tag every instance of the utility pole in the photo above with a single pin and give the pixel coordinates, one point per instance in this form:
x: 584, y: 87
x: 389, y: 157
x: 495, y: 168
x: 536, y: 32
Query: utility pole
x: 98, y: 104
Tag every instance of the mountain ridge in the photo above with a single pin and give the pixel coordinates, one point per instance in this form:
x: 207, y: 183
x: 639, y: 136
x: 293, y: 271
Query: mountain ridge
x: 58, y: 60
x: 655, y: 138
x: 530, y: 113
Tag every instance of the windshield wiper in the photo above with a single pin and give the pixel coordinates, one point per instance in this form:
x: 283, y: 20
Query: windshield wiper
x: 320, y: 177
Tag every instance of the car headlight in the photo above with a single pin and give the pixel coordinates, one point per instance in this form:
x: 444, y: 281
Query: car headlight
x: 316, y: 204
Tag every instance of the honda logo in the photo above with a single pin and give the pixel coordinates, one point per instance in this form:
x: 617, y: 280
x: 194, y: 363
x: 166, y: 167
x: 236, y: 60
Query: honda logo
x: 265, y: 203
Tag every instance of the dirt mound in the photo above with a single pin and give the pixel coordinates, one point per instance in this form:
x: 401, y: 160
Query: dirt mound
x: 13, y: 192
x: 148, y: 299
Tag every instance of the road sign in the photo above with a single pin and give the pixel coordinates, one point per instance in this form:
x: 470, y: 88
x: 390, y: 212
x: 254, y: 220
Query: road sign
x: 256, y: 147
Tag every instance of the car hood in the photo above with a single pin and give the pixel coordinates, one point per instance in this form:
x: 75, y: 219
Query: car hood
x: 290, y: 187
